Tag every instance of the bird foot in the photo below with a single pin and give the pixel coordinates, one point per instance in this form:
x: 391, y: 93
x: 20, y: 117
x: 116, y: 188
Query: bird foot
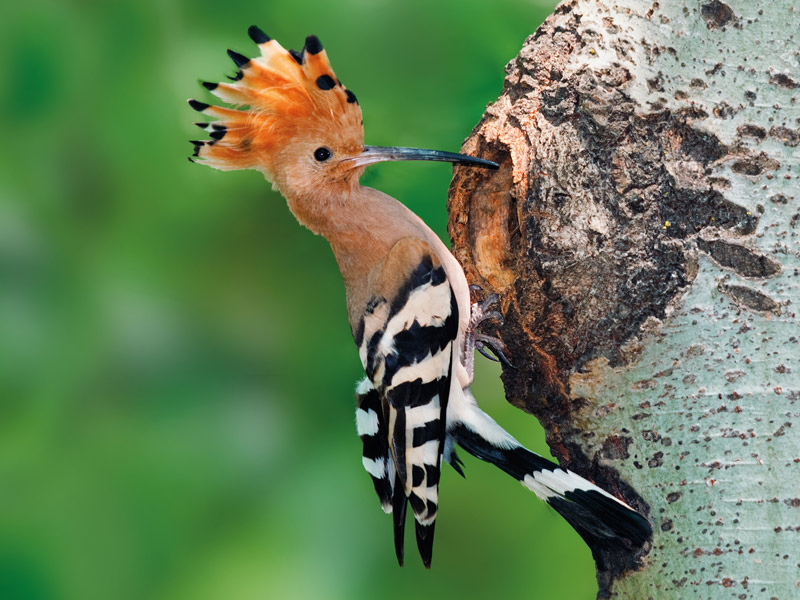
x: 480, y: 313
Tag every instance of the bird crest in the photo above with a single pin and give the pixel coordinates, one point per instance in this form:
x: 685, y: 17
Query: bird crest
x: 277, y: 97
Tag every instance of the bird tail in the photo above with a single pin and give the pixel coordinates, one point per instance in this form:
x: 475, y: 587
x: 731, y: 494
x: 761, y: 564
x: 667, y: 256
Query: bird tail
x: 603, y: 521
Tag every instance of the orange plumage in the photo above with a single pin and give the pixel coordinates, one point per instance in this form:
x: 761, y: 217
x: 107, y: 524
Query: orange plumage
x: 281, y: 97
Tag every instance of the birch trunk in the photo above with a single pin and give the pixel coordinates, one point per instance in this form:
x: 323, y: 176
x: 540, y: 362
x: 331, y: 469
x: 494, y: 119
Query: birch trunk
x: 642, y: 233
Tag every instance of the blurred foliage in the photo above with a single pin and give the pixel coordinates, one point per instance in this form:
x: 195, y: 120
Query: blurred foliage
x: 176, y: 368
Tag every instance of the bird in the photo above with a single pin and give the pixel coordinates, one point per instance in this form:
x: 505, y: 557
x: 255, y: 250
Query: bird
x: 408, y: 300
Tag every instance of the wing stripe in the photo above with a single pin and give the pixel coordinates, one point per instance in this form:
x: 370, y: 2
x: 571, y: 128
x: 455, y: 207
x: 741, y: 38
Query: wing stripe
x: 418, y: 505
x: 423, y: 274
x: 374, y: 448
x: 432, y: 507
x: 366, y: 422
x: 358, y: 334
x: 371, y: 427
x: 413, y: 393
x: 430, y: 431
x: 432, y: 368
x: 372, y: 347
x: 417, y: 476
x: 372, y: 307
x: 432, y: 473
x: 375, y: 467
x: 412, y: 345
x: 397, y: 423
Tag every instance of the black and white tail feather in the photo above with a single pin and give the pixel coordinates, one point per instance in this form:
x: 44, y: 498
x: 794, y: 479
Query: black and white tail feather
x: 603, y: 521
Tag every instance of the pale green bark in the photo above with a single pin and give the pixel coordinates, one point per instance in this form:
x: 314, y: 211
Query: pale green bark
x: 713, y: 402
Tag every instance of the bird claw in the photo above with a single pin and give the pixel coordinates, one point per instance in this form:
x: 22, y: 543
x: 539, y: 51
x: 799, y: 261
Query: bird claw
x: 496, y: 345
x: 482, y: 349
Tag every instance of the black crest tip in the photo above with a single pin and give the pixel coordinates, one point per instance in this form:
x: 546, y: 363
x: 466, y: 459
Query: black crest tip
x: 325, y: 82
x: 236, y: 77
x: 257, y: 35
x: 313, y: 45
x: 198, y: 106
x: 218, y: 133
x: 351, y: 97
x: 197, y: 145
x: 201, y: 124
x: 210, y: 86
x: 297, y: 56
x: 240, y: 60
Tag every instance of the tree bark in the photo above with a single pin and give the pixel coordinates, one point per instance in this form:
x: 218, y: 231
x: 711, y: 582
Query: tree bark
x: 642, y: 232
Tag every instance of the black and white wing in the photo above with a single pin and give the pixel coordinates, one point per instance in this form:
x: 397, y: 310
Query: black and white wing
x: 406, y: 339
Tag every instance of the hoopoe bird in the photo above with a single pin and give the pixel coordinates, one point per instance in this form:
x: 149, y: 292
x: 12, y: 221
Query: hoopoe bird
x: 408, y: 301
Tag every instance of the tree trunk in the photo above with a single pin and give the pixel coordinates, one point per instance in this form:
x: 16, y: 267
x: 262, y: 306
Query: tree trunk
x: 642, y: 233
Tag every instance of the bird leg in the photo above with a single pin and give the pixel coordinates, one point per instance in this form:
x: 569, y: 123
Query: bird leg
x: 474, y: 340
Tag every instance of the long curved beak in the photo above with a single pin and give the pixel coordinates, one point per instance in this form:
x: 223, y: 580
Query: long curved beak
x: 375, y: 154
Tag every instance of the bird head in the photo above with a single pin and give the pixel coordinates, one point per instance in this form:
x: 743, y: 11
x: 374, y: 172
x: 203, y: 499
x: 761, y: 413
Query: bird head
x: 294, y: 121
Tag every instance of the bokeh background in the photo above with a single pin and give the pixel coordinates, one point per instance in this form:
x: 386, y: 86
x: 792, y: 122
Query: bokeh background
x: 176, y: 368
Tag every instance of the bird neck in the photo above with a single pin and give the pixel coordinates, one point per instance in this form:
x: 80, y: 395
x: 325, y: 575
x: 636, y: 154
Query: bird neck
x: 360, y: 223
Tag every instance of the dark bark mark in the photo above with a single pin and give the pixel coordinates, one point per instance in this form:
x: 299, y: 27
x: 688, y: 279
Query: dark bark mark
x: 784, y: 81
x: 753, y: 131
x: 615, y: 447
x: 788, y: 136
x: 716, y: 14
x: 750, y: 298
x: 723, y: 110
x: 754, y: 164
x: 742, y: 260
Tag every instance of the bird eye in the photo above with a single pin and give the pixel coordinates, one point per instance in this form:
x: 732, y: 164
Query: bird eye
x: 322, y: 154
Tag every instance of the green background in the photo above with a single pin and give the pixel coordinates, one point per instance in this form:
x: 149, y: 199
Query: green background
x: 176, y: 368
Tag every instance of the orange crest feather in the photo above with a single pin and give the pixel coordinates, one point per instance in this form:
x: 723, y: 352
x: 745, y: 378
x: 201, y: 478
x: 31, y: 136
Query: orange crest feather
x: 277, y: 96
